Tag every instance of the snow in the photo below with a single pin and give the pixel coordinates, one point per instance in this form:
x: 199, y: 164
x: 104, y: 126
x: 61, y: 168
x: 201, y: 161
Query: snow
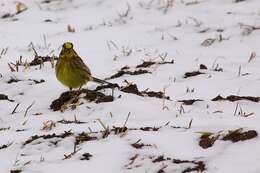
x: 148, y: 30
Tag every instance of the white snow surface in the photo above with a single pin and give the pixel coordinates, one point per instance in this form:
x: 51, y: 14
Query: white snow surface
x: 150, y: 30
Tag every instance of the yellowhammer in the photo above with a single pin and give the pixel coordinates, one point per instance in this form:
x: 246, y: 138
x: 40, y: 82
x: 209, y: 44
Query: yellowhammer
x: 71, y: 70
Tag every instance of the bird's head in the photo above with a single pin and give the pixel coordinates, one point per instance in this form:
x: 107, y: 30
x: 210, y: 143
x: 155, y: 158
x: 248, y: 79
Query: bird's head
x: 67, y: 49
x: 67, y: 45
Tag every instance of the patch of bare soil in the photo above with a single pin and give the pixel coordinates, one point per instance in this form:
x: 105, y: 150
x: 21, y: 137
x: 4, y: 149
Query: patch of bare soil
x: 239, y: 135
x: 139, y: 145
x: 48, y: 136
x: 138, y: 70
x: 193, y: 73
x: 233, y: 98
x: 5, y: 97
x: 86, y: 156
x: 122, y: 72
x: 190, y: 101
x: 208, y: 139
x: 132, y: 88
x: 72, y: 97
x: 139, y: 161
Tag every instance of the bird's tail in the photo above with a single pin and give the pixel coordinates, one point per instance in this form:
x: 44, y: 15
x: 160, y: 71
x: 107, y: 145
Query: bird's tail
x: 100, y: 81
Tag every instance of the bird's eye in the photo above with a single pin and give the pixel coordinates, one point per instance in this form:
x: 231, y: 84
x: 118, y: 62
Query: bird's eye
x: 68, y: 45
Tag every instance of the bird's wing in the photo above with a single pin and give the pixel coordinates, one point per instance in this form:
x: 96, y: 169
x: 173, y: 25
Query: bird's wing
x: 84, y: 66
x: 81, y: 68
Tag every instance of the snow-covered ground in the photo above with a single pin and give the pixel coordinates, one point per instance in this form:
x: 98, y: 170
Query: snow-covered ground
x: 223, y: 35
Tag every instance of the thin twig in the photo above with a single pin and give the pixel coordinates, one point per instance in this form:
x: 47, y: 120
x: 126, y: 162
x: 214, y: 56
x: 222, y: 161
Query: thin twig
x: 127, y: 119
x: 33, y: 48
x: 15, y: 108
x: 102, y: 124
x: 190, y: 124
x: 27, y: 109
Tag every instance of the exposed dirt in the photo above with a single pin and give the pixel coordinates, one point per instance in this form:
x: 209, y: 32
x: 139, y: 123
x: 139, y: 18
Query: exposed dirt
x: 233, y: 98
x: 118, y: 130
x: 5, y: 97
x: 49, y: 136
x: 238, y: 135
x: 189, y: 102
x: 38, y: 60
x: 70, y: 122
x: 86, y: 156
x: 122, y: 72
x: 37, y: 81
x: 5, y: 146
x: 132, y: 88
x: 208, y: 139
x: 111, y: 86
x: 199, y: 165
x: 16, y: 171
x: 203, y: 67
x: 14, y: 80
x: 71, y: 97
x: 150, y: 128
x: 160, y: 159
x: 147, y: 64
x: 138, y: 70
x: 193, y: 73
x: 6, y: 15
x: 83, y: 137
x: 196, y: 166
x: 139, y: 145
x: 5, y: 128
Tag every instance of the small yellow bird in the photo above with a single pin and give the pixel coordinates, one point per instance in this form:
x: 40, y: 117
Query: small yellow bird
x: 71, y: 71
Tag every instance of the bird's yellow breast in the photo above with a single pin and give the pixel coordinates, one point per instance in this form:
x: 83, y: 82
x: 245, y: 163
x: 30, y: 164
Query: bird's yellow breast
x: 68, y: 75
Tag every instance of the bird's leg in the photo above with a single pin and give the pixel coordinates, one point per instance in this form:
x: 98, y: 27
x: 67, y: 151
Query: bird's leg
x: 78, y: 90
x: 80, y: 87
